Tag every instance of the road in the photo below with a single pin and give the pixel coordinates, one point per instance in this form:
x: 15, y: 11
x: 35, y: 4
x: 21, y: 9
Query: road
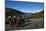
x: 31, y: 24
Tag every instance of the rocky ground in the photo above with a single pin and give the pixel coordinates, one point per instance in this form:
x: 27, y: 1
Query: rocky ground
x: 31, y: 24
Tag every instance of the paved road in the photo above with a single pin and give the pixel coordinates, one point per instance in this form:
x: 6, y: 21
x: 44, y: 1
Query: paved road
x: 31, y: 24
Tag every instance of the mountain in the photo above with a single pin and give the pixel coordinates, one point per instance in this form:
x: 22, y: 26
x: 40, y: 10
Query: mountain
x: 38, y: 15
x: 9, y: 11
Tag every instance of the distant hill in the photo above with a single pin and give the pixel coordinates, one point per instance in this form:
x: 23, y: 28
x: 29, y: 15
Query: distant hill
x: 38, y: 15
x: 10, y: 11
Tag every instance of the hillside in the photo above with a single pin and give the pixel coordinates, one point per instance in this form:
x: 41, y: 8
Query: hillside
x: 38, y: 15
x: 10, y: 11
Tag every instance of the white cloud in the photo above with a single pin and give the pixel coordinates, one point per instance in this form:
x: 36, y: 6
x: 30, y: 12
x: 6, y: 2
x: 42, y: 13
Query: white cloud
x: 31, y: 11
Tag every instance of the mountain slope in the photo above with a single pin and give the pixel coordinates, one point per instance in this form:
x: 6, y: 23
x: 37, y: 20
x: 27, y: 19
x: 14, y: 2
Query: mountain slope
x: 10, y: 11
x: 38, y: 15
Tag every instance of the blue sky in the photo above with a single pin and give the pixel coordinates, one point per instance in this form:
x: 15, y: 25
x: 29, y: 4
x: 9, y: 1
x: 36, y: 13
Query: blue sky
x: 31, y: 7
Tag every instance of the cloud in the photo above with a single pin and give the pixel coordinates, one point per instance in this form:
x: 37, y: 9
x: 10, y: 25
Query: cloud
x: 35, y: 11
x: 26, y: 11
x: 31, y: 11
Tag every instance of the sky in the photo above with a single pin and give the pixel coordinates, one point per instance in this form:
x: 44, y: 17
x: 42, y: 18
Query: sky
x: 30, y: 7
